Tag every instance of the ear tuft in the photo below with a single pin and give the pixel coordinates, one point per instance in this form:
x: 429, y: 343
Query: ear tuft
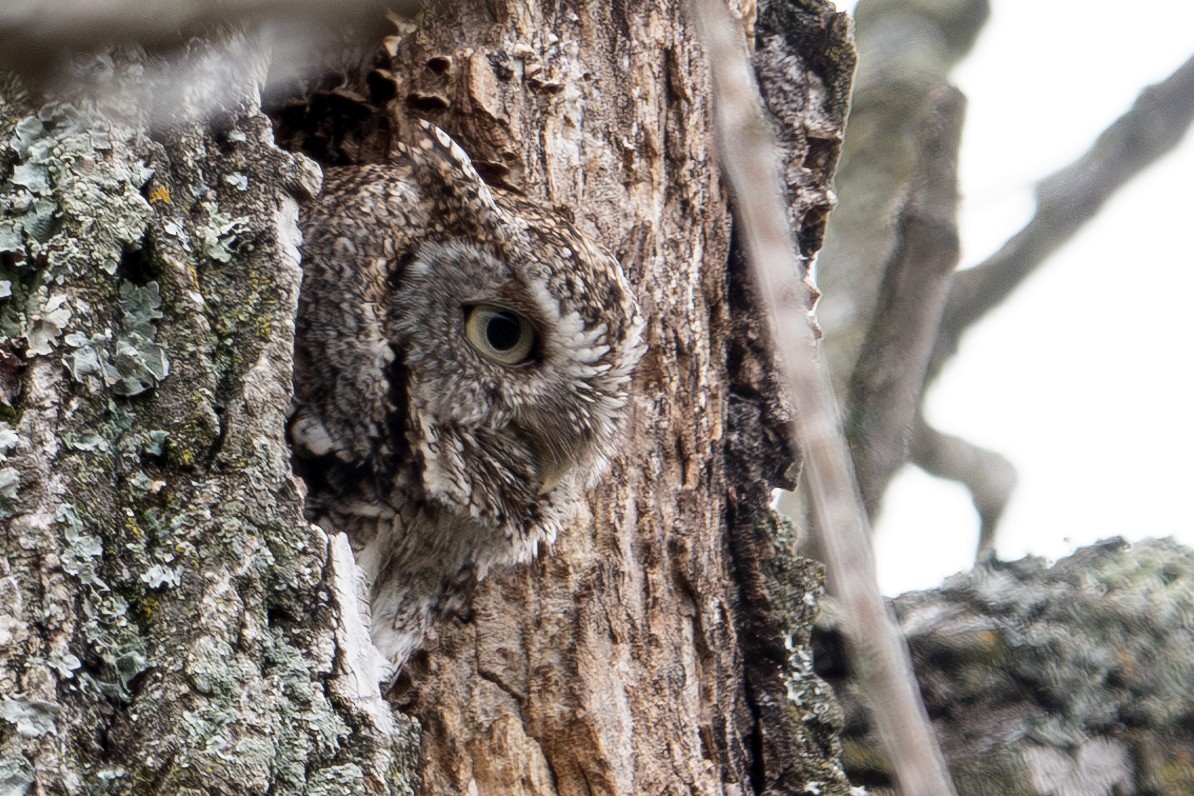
x: 446, y: 176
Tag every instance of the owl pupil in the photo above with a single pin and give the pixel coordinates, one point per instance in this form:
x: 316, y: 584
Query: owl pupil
x: 503, y: 331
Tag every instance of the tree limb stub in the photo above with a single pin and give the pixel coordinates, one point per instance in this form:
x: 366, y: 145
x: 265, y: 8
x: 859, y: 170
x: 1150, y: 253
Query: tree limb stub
x: 988, y: 475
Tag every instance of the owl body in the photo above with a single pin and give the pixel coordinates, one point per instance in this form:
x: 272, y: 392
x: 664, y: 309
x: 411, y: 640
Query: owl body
x: 462, y: 362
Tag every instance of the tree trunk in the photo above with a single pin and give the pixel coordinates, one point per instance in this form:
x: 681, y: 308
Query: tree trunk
x: 645, y: 652
x: 171, y: 624
x: 178, y: 625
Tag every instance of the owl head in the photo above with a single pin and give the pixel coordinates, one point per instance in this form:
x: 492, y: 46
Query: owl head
x: 514, y: 341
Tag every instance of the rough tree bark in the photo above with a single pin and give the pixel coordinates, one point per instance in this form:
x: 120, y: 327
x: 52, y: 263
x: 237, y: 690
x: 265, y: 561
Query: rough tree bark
x: 1070, y: 680
x: 172, y: 623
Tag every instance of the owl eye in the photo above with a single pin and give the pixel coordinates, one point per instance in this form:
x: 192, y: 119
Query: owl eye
x: 499, y: 334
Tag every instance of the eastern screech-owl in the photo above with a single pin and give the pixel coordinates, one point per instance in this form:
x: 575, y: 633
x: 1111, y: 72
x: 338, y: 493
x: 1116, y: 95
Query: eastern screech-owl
x: 461, y: 365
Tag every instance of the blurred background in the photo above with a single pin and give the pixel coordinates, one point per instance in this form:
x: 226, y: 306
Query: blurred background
x: 1082, y: 378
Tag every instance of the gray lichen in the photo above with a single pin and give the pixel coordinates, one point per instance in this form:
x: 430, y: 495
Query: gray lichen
x: 1073, y: 676
x: 10, y: 477
x: 73, y: 203
x: 32, y: 718
x: 166, y: 595
x: 130, y: 361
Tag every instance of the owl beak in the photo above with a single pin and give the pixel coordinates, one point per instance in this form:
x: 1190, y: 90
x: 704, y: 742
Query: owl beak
x: 553, y: 471
x: 550, y: 480
x: 553, y: 465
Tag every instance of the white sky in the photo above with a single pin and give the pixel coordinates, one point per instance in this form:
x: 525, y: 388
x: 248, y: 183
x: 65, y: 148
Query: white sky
x: 1083, y: 379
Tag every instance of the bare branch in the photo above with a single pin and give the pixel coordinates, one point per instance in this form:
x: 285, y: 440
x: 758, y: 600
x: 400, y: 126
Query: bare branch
x: 990, y: 477
x: 886, y: 386
x: 1068, y: 199
x: 752, y: 170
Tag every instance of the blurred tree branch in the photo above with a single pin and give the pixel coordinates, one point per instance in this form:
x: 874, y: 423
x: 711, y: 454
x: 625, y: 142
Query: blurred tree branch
x: 886, y: 388
x: 747, y: 154
x: 47, y: 44
x: 988, y: 475
x: 1068, y: 199
x: 906, y: 51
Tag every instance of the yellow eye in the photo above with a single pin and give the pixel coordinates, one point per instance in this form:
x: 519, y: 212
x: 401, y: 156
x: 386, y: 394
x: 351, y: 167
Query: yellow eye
x: 499, y: 334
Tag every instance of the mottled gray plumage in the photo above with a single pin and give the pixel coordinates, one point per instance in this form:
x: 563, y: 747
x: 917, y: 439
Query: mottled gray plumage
x: 462, y: 362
